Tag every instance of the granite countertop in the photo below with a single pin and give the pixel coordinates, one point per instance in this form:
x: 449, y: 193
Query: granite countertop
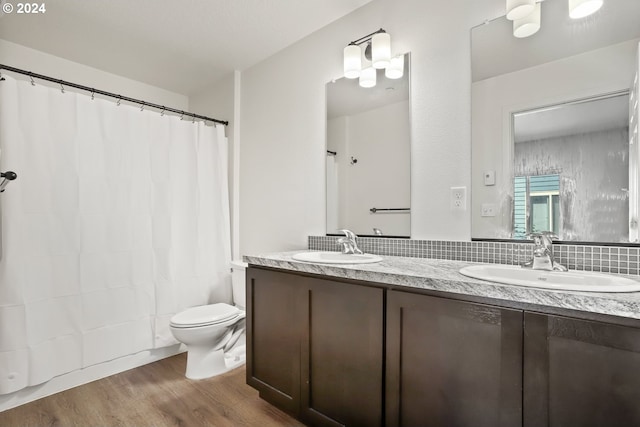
x: 444, y: 276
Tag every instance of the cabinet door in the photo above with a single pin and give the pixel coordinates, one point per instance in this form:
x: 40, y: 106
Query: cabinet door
x: 342, y: 355
x: 273, y: 337
x: 580, y: 373
x: 452, y: 363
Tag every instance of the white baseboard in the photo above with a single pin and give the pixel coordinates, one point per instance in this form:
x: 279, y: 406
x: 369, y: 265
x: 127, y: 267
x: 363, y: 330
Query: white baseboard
x: 86, y: 375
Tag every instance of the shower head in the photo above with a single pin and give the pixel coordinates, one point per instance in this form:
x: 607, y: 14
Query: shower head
x: 8, y: 176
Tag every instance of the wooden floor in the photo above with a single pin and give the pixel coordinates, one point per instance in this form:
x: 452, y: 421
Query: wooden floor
x: 157, y: 394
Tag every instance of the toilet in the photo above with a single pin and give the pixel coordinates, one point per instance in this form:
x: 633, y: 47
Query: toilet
x: 214, y: 334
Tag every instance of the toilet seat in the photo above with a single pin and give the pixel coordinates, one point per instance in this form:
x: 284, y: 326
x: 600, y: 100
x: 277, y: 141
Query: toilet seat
x: 205, y: 315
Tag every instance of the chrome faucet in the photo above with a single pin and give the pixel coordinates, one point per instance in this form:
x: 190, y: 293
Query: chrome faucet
x: 349, y: 245
x: 543, y: 253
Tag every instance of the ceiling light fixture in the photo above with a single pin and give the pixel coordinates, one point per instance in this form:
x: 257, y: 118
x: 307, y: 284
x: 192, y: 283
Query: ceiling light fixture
x: 378, y: 52
x: 581, y: 8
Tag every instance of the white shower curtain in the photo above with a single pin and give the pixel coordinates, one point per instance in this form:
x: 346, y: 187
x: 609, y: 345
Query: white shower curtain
x: 118, y: 219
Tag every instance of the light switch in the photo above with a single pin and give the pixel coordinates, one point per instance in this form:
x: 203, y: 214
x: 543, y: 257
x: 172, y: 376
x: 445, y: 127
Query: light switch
x: 490, y: 178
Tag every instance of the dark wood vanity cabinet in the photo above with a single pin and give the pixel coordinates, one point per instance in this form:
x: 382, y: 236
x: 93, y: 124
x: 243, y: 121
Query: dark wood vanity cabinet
x: 580, y: 372
x: 315, y: 347
x: 274, y: 332
x: 452, y: 363
x: 340, y: 353
x: 457, y: 363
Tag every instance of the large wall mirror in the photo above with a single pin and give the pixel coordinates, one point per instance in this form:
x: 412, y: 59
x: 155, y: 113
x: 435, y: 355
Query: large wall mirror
x: 369, y: 156
x: 552, y: 145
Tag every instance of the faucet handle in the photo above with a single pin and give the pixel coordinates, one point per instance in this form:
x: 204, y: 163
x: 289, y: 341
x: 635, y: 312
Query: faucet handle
x: 346, y: 245
x: 543, y: 237
x: 550, y: 235
x: 350, y: 234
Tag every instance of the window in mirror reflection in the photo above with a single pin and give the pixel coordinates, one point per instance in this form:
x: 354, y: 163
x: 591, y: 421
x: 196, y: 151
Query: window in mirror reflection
x: 571, y: 170
x: 536, y: 205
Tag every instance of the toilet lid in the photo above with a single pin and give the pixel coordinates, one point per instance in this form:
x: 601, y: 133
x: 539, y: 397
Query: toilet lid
x: 205, y: 315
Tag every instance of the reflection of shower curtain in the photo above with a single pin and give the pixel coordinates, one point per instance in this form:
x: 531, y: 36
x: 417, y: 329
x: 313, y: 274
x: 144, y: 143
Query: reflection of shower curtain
x: 119, y: 218
x: 332, y: 194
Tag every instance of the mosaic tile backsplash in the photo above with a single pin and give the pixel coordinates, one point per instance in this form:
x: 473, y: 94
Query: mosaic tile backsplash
x: 604, y: 259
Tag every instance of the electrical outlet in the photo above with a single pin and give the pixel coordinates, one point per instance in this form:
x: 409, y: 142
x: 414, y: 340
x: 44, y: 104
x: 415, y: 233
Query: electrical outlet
x: 458, y: 198
x: 488, y: 209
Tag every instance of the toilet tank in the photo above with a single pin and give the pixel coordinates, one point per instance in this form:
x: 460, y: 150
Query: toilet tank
x: 238, y: 278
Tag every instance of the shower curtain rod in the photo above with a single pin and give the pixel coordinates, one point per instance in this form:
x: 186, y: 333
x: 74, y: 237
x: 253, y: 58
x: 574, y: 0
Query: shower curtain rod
x: 140, y: 102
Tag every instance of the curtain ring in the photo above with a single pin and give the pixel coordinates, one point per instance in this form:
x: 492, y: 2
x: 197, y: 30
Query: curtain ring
x: 142, y: 106
x: 119, y: 100
x: 162, y: 112
x: 182, y: 115
x: 1, y: 78
x: 61, y: 87
x: 93, y: 95
x: 33, y: 83
x: 194, y: 119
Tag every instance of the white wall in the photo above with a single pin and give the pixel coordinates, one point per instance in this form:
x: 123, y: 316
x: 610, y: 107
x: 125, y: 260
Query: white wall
x: 283, y: 122
x: 25, y: 58
x: 494, y: 100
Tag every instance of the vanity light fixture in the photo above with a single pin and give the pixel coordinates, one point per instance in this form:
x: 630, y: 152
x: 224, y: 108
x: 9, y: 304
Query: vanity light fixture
x: 528, y: 25
x: 378, y: 51
x: 525, y: 14
x: 518, y: 9
x: 581, y: 8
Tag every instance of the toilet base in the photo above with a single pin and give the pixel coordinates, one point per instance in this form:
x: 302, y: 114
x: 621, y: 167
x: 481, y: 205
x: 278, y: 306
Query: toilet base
x: 204, y: 362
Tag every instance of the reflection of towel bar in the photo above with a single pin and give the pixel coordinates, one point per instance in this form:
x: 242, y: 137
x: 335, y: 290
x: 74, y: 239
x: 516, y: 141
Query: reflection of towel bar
x: 374, y: 210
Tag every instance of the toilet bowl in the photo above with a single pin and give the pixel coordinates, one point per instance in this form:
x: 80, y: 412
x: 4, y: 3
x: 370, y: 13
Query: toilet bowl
x: 214, y: 333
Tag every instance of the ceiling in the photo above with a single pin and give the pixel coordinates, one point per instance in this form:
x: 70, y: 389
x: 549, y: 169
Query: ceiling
x: 181, y: 45
x: 605, y: 113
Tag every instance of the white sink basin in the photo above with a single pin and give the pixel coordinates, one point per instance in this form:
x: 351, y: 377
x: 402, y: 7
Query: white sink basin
x: 336, y: 258
x: 560, y: 280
